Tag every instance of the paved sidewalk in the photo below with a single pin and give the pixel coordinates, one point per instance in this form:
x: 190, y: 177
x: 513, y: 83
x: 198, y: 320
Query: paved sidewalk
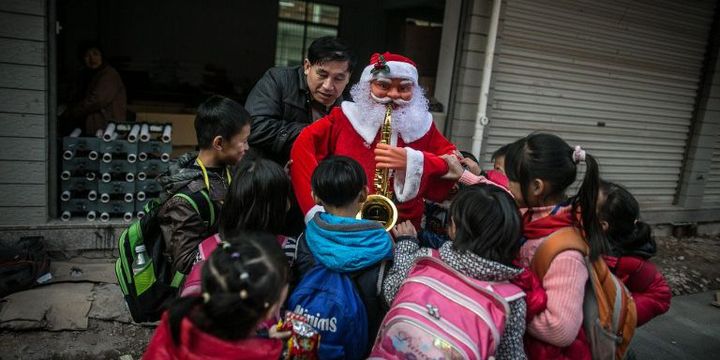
x: 690, y: 330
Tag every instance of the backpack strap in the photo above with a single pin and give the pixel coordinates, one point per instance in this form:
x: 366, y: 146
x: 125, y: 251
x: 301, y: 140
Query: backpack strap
x: 568, y: 238
x: 208, y: 245
x: 200, y: 201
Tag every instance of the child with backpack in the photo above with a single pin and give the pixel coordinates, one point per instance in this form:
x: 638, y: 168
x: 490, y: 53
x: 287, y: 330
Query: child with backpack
x: 540, y: 168
x: 485, y: 238
x: 222, y: 127
x: 243, y: 284
x: 244, y: 209
x: 157, y: 251
x: 631, y: 247
x: 341, y: 260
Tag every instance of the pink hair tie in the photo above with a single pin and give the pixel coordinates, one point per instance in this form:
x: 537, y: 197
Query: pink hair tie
x: 578, y: 155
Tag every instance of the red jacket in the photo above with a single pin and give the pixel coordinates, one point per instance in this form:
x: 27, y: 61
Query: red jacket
x: 196, y: 344
x: 647, y: 285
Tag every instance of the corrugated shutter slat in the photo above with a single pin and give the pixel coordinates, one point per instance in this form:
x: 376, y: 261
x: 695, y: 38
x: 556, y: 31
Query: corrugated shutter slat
x: 619, y: 78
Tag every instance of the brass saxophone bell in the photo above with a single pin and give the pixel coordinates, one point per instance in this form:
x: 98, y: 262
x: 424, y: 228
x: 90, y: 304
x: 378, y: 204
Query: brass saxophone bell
x: 381, y: 209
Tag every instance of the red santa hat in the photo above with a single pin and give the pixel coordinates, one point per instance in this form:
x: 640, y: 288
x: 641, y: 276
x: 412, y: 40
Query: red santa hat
x: 389, y: 65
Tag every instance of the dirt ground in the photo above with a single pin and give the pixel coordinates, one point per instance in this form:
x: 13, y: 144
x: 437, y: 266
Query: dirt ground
x: 690, y: 265
x: 102, y: 340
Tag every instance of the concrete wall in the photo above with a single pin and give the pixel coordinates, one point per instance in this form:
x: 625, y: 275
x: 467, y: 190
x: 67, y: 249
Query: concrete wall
x: 23, y: 112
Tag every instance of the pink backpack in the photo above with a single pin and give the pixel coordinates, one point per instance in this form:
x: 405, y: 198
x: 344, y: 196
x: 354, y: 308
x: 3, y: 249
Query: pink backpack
x: 439, y: 313
x: 192, y: 280
x: 191, y: 286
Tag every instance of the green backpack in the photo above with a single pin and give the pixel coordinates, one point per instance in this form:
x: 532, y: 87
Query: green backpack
x: 148, y: 290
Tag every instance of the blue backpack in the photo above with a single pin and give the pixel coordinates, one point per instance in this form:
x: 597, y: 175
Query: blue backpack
x: 332, y: 305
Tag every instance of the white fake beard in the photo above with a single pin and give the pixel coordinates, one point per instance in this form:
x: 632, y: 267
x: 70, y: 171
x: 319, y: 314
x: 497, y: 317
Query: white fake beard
x: 405, y: 115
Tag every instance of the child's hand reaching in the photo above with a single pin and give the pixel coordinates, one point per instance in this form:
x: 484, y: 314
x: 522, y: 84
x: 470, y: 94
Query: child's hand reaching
x: 471, y: 165
x: 273, y: 333
x: 404, y: 228
x: 455, y: 168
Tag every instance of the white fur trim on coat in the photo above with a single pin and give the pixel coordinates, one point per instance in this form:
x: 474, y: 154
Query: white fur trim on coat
x: 368, y: 128
x: 398, y: 70
x: 407, y: 182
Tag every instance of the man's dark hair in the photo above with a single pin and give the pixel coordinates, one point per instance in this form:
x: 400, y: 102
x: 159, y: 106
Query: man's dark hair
x: 338, y: 180
x: 329, y: 48
x: 219, y: 116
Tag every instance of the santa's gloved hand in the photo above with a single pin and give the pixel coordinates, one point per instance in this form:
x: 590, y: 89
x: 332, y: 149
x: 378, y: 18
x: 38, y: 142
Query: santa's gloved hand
x: 390, y: 157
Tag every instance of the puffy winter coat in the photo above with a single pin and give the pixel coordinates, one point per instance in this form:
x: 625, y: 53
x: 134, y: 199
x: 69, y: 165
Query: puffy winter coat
x: 648, y: 287
x: 196, y: 344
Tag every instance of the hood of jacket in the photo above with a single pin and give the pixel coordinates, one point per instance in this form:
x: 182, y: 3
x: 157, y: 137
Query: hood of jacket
x: 475, y: 266
x: 346, y: 244
x: 197, y: 344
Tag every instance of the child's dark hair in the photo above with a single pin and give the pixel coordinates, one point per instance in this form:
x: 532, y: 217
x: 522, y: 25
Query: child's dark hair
x: 487, y: 223
x: 338, y: 180
x: 241, y: 281
x: 550, y: 158
x: 469, y: 155
x: 626, y: 233
x: 330, y: 48
x: 257, y: 198
x: 219, y: 116
x: 500, y: 152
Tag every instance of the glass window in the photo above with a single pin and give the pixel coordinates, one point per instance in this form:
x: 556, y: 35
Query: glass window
x: 299, y: 24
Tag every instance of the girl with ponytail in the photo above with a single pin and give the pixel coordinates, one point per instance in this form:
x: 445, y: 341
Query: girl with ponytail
x: 244, y: 283
x: 540, y: 168
x: 631, y: 247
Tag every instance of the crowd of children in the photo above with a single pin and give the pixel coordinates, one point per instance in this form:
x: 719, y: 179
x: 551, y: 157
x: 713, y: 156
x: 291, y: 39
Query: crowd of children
x: 496, y: 222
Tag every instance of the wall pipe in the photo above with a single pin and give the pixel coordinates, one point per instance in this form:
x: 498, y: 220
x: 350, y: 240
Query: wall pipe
x: 481, y: 119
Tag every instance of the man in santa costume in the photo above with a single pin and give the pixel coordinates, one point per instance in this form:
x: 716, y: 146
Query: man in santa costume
x: 354, y: 130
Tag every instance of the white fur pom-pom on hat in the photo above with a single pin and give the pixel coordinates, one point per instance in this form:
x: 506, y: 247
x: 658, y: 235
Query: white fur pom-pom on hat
x: 391, y: 66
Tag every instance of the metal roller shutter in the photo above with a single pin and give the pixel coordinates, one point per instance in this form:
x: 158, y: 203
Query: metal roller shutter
x: 712, y: 186
x: 617, y: 77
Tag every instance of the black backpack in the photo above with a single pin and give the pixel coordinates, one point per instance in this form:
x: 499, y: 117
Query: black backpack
x: 22, y: 263
x: 147, y: 291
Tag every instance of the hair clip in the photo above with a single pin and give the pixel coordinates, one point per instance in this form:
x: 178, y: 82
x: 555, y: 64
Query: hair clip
x: 235, y: 255
x: 206, y: 297
x: 243, y: 294
x: 578, y: 154
x: 225, y: 245
x: 244, y: 276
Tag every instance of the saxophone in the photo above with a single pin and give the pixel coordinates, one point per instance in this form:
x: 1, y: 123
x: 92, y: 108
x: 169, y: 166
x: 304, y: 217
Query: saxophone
x: 379, y: 206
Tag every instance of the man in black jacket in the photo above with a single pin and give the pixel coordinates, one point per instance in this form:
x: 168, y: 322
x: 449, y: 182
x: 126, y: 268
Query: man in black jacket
x: 286, y: 99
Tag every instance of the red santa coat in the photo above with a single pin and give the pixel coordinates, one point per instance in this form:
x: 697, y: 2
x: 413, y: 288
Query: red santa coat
x: 345, y: 132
